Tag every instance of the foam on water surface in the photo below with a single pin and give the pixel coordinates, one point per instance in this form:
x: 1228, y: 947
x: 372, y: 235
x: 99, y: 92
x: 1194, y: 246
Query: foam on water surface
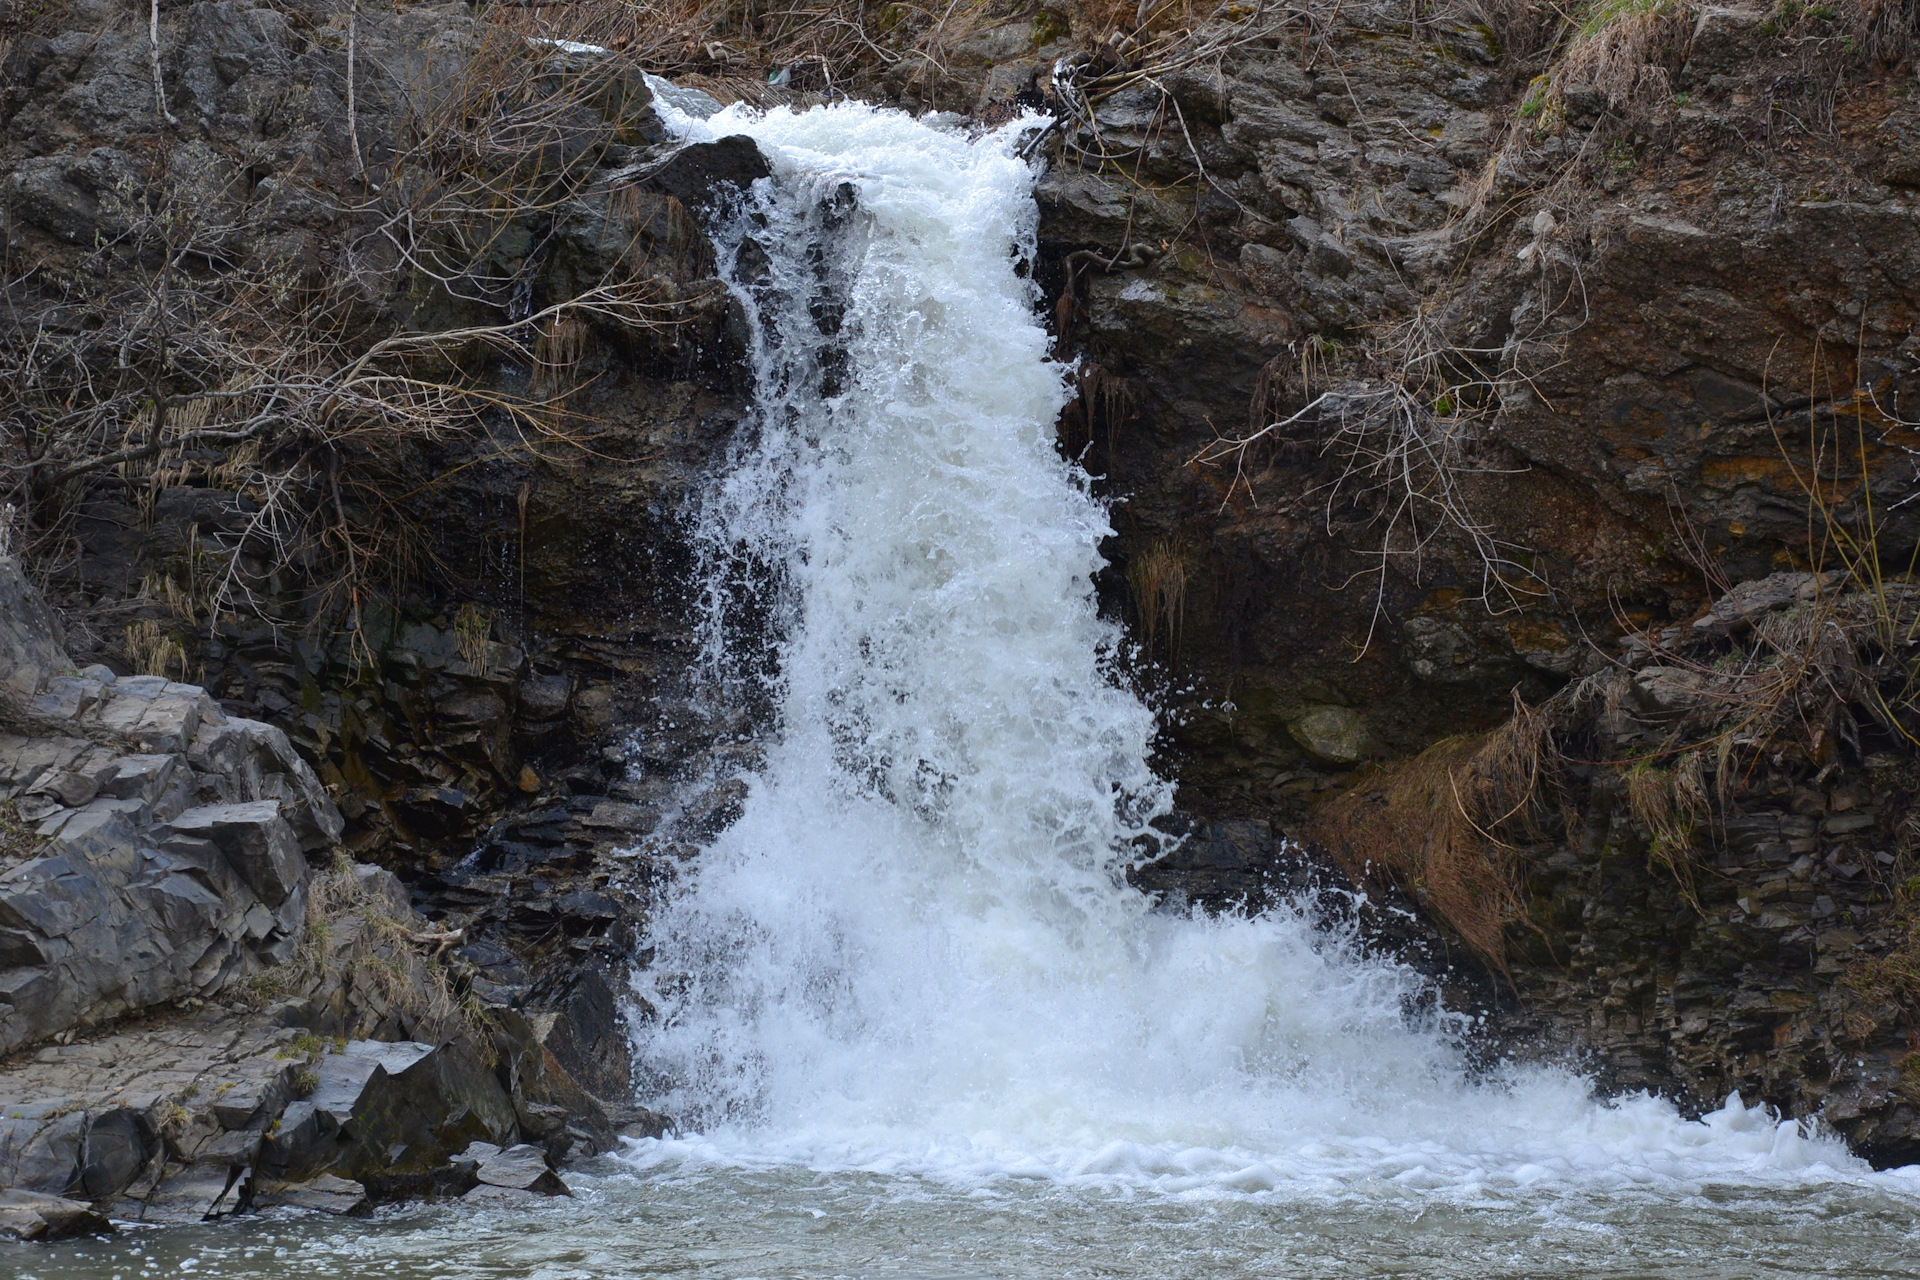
x: 915, y: 952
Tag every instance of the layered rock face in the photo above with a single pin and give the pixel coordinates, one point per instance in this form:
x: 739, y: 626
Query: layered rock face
x: 159, y: 846
x: 1634, y: 309
x: 288, y: 1041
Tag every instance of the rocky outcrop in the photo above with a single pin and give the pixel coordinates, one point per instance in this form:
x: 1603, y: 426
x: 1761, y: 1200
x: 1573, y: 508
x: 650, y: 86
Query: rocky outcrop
x: 494, y: 727
x: 1745, y: 921
x: 345, y: 1076
x: 219, y: 1114
x: 1615, y: 292
x: 475, y: 726
x: 159, y: 847
x: 292, y: 1039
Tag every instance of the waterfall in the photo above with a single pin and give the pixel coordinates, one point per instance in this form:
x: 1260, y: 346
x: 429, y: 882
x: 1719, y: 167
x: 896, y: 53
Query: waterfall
x: 916, y: 949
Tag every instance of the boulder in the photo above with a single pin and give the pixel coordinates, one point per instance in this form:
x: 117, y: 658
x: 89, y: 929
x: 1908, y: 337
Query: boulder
x: 30, y: 638
x: 1332, y: 735
x: 695, y: 174
x: 391, y: 1116
x: 518, y: 1168
x: 342, y: 1197
x: 189, y: 1193
x: 257, y: 842
x: 118, y: 1146
x: 29, y: 1215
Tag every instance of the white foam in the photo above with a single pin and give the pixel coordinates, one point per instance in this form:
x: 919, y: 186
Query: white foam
x: 915, y: 950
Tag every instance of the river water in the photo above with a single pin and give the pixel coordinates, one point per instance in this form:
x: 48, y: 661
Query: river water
x: 910, y: 1017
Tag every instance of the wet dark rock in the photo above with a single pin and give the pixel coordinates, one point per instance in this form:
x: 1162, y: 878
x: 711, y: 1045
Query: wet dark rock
x: 640, y: 1122
x: 341, y: 1197
x: 402, y: 1111
x: 118, y: 1146
x: 698, y: 174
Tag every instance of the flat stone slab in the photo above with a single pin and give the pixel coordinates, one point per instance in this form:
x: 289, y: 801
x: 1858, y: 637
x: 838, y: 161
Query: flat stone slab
x: 342, y: 1197
x: 519, y: 1168
x: 28, y: 1215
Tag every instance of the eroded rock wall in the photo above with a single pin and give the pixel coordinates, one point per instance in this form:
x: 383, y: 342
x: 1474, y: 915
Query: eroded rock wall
x: 1675, y: 344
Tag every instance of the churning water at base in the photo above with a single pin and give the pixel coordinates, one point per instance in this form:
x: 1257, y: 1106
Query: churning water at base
x: 724, y: 1222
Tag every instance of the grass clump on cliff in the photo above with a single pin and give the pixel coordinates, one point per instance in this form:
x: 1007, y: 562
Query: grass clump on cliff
x: 1157, y: 581
x: 365, y: 957
x: 1446, y: 826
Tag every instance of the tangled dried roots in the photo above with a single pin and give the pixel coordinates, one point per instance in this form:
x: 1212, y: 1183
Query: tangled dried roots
x: 1885, y: 30
x: 1444, y: 826
x: 1280, y: 390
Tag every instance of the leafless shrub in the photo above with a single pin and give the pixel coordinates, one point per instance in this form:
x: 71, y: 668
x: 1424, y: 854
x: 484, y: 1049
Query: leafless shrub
x: 1403, y: 426
x: 183, y: 348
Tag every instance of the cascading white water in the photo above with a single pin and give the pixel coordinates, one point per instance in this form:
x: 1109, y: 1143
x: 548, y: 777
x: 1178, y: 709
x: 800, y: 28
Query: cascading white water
x: 915, y: 950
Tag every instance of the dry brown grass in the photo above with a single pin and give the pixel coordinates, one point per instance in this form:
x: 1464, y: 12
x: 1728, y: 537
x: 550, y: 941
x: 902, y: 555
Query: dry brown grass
x: 1157, y: 579
x: 1625, y: 49
x: 472, y: 629
x: 1673, y: 805
x: 1445, y: 826
x: 359, y: 950
x: 150, y: 651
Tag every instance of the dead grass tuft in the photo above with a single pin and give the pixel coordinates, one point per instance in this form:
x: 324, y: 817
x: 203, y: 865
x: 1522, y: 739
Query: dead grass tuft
x: 358, y: 946
x: 1623, y: 48
x: 150, y: 651
x: 1157, y: 579
x: 1445, y: 826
